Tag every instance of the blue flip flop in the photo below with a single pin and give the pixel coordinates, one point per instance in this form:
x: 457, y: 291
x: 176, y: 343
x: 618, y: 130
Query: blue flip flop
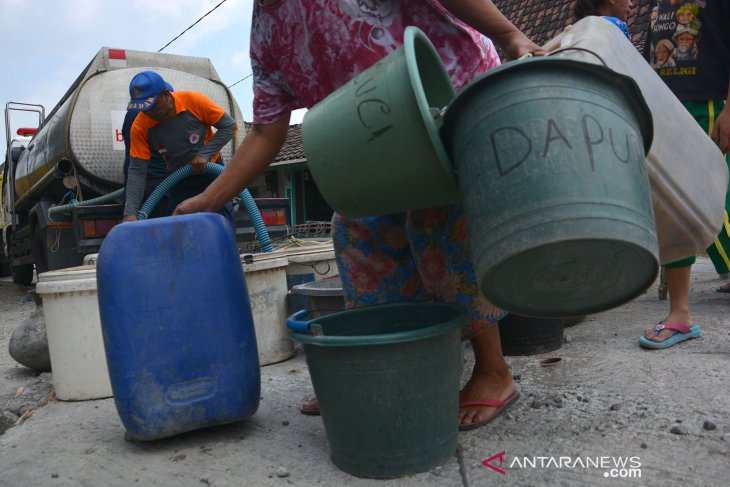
x: 684, y: 332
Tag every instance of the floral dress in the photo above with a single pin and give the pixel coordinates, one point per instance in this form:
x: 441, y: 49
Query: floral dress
x: 301, y: 51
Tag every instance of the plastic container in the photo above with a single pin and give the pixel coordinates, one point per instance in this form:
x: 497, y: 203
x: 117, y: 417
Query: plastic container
x: 73, y: 327
x: 557, y: 202
x: 267, y: 295
x: 373, y: 146
x: 687, y: 173
x: 177, y: 327
x: 387, y: 380
x: 323, y: 297
x: 522, y: 335
x: 307, y: 263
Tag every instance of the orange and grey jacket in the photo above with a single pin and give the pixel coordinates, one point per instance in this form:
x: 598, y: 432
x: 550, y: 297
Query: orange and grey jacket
x: 177, y: 141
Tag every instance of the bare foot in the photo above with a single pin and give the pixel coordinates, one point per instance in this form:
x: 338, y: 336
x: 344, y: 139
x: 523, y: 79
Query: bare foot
x: 479, y: 388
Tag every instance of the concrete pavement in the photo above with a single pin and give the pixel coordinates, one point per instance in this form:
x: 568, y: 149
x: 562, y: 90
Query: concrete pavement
x: 606, y: 413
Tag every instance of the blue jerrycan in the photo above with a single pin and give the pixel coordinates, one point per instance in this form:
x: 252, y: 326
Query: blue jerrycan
x: 177, y: 326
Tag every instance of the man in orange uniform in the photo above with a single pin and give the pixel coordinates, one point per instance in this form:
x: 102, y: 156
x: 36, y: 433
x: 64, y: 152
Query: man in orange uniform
x: 178, y: 127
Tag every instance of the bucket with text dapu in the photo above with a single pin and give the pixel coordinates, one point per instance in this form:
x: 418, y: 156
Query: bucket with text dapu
x: 550, y: 160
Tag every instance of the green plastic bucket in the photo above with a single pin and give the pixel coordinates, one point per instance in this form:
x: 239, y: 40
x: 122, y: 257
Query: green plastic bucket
x: 550, y: 156
x: 373, y: 145
x: 387, y: 380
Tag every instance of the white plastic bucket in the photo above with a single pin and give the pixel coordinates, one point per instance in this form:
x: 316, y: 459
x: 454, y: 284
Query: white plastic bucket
x: 688, y: 174
x: 75, y: 342
x: 307, y: 263
x: 265, y: 276
x: 315, y: 264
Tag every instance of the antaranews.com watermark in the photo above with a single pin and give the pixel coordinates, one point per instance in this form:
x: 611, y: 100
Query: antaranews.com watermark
x: 621, y: 467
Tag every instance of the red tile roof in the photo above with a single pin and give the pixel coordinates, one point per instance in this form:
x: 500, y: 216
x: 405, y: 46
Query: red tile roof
x: 293, y: 150
x: 541, y: 20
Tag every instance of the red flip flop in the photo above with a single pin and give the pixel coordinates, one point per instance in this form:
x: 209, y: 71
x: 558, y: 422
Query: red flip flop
x: 501, y: 406
x: 310, y: 407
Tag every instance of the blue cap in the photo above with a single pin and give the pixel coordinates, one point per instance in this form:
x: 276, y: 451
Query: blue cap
x: 144, y: 88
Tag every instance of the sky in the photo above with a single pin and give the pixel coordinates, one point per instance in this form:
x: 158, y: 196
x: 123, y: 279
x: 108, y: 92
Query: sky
x: 46, y: 44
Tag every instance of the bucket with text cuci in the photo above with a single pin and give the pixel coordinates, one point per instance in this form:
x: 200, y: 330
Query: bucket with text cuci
x: 373, y: 145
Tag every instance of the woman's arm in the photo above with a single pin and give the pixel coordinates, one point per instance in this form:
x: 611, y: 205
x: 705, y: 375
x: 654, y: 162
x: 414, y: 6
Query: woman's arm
x: 258, y: 149
x: 721, y: 131
x: 485, y: 17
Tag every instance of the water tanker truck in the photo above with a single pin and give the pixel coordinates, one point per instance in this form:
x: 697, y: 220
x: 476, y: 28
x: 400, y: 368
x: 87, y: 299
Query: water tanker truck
x: 76, y: 153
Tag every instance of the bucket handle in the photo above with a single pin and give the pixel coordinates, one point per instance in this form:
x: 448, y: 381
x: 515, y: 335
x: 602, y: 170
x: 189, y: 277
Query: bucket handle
x: 579, y: 49
x: 296, y: 323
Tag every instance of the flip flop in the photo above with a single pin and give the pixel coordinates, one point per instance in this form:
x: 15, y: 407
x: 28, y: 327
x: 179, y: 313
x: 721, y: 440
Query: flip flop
x: 684, y: 332
x: 723, y: 289
x: 310, y: 407
x: 501, y: 406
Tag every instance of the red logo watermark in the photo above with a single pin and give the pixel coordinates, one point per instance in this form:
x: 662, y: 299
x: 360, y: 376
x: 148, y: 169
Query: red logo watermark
x: 499, y: 455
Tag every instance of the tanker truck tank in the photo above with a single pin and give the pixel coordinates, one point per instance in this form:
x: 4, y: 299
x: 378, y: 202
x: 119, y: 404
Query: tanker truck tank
x: 77, y: 154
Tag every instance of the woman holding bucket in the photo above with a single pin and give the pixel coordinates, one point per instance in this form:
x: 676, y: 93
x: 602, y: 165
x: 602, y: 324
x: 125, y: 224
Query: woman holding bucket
x: 301, y: 51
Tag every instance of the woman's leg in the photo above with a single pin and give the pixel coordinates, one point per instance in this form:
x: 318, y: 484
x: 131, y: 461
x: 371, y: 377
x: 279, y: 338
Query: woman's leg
x: 490, y: 378
x: 439, y: 242
x: 678, y: 279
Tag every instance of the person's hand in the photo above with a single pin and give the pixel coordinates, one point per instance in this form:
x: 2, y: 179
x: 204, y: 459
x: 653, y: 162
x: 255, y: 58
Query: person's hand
x: 518, y: 44
x: 193, y: 205
x: 198, y: 163
x: 129, y: 218
x: 721, y: 131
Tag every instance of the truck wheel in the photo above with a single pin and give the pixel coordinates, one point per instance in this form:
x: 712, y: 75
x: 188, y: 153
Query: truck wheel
x: 23, y: 274
x: 4, y: 262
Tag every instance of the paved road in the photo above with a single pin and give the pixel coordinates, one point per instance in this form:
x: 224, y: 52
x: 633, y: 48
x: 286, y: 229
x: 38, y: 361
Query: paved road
x: 607, y: 401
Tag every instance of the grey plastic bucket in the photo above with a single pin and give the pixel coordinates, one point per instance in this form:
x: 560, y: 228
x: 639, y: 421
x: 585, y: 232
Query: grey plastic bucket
x: 550, y: 157
x: 322, y: 297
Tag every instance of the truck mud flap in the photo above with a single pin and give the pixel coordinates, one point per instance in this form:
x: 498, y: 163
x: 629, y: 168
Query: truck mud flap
x: 54, y: 247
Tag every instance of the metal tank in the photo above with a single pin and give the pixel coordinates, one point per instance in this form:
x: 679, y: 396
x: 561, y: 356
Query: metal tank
x: 85, y: 126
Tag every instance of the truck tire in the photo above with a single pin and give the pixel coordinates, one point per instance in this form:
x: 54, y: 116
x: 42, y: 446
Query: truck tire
x: 4, y: 262
x: 23, y: 274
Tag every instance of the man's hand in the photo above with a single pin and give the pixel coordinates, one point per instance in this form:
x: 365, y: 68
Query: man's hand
x: 198, y: 163
x: 193, y: 205
x: 129, y: 218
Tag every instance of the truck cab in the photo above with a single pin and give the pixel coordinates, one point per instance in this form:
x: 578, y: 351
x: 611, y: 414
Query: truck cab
x: 16, y: 146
